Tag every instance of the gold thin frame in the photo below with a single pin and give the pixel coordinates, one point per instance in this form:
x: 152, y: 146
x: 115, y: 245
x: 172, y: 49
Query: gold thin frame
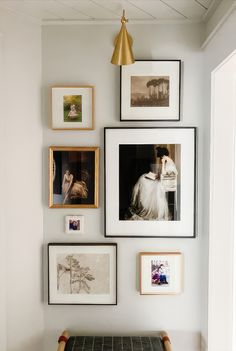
x: 161, y: 254
x: 96, y: 176
x: 69, y: 87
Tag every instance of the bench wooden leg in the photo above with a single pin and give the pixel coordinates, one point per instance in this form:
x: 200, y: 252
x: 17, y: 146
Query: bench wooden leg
x: 62, y: 341
x: 166, y: 341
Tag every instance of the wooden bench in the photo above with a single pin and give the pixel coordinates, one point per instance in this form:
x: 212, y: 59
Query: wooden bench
x: 86, y: 343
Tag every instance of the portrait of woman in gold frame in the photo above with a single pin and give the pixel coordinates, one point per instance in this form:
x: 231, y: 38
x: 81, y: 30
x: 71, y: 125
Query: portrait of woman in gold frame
x: 73, y: 177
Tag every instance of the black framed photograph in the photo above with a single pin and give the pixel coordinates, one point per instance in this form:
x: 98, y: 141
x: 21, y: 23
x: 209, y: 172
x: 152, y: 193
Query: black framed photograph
x: 150, y: 185
x: 150, y: 90
x: 73, y: 177
x: 82, y: 274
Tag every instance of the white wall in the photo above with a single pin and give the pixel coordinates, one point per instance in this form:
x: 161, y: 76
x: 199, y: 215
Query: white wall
x: 220, y: 46
x: 3, y: 322
x: 219, y: 15
x: 69, y: 58
x: 21, y: 313
x: 80, y: 55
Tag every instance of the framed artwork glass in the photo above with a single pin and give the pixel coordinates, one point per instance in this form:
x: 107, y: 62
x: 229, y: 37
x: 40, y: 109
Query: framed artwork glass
x: 73, y: 176
x: 150, y: 90
x: 82, y: 274
x: 160, y: 273
x: 74, y: 224
x: 72, y: 107
x: 150, y: 187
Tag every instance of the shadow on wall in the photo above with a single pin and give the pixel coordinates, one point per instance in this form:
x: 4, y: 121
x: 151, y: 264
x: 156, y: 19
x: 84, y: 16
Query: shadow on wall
x: 31, y: 343
x: 185, y: 340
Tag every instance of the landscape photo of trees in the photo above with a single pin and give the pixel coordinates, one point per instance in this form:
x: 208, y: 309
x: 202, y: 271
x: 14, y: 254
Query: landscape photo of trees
x: 150, y: 91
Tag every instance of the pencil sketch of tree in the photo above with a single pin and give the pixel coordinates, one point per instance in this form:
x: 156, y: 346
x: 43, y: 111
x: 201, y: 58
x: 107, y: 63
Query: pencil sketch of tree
x: 79, y: 277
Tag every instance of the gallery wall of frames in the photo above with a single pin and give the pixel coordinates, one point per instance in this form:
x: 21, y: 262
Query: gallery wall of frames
x: 101, y: 184
x: 148, y: 184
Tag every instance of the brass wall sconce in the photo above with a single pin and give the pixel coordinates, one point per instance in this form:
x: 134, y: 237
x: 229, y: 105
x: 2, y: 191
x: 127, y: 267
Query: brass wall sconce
x: 123, y: 54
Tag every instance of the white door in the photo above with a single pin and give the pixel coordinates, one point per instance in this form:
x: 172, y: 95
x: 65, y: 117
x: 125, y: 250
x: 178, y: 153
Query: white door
x: 222, y: 260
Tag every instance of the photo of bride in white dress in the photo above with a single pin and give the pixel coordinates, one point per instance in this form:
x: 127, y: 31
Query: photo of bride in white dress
x: 149, y: 182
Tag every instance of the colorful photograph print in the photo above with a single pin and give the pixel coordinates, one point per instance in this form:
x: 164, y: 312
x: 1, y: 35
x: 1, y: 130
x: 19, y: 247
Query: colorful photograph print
x: 83, y: 274
x: 149, y: 177
x: 161, y: 273
x: 73, y: 176
x: 72, y: 108
x: 74, y: 224
x: 160, y: 270
x: 149, y: 91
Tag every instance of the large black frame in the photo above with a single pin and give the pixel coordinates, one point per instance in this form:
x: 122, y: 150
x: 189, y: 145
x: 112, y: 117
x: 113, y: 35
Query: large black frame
x: 83, y: 244
x: 194, y: 190
x: 159, y: 119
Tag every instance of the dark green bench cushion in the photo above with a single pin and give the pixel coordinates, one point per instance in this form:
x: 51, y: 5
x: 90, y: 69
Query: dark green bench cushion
x: 114, y: 343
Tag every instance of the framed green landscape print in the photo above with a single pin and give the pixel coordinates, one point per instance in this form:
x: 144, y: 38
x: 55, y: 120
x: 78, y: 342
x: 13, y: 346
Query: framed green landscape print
x: 72, y: 107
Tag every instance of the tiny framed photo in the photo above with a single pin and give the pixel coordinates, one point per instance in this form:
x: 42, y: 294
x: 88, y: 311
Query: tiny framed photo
x: 73, y: 107
x: 74, y: 224
x: 150, y: 182
x: 82, y: 274
x: 150, y: 90
x: 73, y: 177
x: 160, y: 273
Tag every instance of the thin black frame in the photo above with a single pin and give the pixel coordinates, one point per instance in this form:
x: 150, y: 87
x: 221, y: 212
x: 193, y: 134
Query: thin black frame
x: 152, y: 120
x: 84, y: 244
x: 194, y: 190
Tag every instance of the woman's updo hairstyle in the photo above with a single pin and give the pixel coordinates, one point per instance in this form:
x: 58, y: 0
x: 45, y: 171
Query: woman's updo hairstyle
x: 162, y: 151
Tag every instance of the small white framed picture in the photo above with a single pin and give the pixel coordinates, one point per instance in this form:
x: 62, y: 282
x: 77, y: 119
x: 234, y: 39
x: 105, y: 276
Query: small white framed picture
x: 72, y: 107
x: 160, y: 273
x: 74, y: 224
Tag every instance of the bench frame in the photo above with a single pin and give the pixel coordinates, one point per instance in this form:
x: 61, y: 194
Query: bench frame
x: 65, y: 336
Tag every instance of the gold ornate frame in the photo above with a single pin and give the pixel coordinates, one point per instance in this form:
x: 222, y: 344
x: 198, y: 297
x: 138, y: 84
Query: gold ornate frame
x: 96, y: 176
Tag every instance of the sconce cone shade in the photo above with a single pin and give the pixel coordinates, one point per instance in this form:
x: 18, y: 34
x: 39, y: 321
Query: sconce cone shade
x: 123, y: 54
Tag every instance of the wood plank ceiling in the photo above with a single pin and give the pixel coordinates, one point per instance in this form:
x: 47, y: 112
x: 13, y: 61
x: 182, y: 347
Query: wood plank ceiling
x: 110, y: 10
